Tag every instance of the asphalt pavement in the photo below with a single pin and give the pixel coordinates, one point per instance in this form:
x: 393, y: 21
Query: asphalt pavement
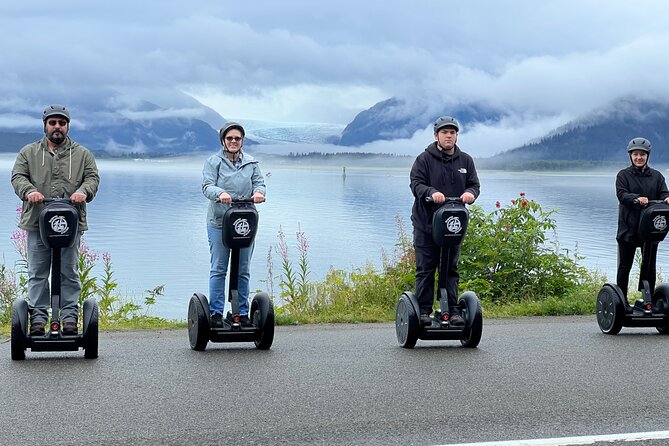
x: 529, y: 378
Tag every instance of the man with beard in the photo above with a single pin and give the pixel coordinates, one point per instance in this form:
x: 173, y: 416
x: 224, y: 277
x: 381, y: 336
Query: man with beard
x: 53, y: 167
x: 441, y: 171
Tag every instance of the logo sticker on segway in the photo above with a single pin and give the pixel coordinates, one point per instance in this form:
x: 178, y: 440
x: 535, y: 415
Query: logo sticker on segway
x: 242, y: 227
x: 59, y: 224
x: 660, y: 223
x: 453, y: 224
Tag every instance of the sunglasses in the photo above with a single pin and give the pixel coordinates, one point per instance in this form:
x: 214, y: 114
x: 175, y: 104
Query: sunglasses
x: 233, y: 138
x: 60, y: 122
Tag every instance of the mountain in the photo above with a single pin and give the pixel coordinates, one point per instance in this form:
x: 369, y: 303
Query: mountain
x: 399, y: 118
x: 113, y: 123
x: 600, y: 137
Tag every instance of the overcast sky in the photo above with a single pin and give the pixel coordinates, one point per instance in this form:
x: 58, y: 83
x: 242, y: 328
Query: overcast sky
x: 309, y: 61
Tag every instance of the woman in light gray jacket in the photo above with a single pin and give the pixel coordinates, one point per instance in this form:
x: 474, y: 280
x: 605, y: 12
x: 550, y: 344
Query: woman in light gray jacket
x: 229, y: 174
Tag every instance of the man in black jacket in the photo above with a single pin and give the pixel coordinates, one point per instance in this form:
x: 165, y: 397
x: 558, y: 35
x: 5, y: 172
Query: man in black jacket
x: 441, y: 171
x: 635, y: 185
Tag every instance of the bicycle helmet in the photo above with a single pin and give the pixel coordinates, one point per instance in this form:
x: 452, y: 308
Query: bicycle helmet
x: 229, y: 126
x: 55, y: 110
x: 446, y: 121
x: 639, y: 144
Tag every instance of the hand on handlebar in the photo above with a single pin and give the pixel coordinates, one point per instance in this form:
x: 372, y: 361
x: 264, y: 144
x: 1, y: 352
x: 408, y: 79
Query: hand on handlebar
x: 258, y: 197
x: 467, y: 198
x: 225, y: 198
x: 35, y: 197
x: 438, y: 198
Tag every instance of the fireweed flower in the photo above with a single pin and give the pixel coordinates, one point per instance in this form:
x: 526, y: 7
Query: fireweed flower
x: 522, y: 194
x: 523, y: 203
x: 498, y: 204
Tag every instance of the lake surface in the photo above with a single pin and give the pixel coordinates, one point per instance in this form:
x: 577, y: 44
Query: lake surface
x: 150, y: 216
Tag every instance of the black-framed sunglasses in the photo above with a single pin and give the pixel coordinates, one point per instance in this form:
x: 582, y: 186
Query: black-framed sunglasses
x: 233, y: 138
x: 60, y: 122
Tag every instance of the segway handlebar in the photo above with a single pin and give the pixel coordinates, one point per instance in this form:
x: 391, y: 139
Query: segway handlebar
x: 650, y: 202
x: 448, y: 199
x: 243, y: 200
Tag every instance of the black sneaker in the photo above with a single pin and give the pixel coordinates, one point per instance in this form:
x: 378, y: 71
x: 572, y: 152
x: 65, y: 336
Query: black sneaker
x: 456, y: 319
x: 244, y: 321
x: 37, y: 329
x: 69, y: 328
x: 425, y: 320
x: 217, y: 321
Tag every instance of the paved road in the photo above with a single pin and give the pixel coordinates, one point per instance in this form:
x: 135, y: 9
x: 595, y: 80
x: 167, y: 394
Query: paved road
x: 342, y: 384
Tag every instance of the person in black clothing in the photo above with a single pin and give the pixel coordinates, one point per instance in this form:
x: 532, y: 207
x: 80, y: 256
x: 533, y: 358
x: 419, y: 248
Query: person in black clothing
x: 635, y: 186
x: 441, y: 171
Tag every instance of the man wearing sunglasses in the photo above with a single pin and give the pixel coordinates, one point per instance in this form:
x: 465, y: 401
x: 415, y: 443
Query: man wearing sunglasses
x: 227, y: 175
x: 53, y: 167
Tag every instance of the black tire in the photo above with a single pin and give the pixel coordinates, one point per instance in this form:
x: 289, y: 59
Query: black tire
x: 198, y: 323
x: 91, y: 331
x: 262, y: 317
x: 406, y: 323
x: 473, y: 316
x: 610, y: 309
x: 661, y: 301
x: 19, y: 330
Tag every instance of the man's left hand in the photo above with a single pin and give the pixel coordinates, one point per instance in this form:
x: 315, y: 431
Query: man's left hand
x: 78, y: 198
x: 467, y: 198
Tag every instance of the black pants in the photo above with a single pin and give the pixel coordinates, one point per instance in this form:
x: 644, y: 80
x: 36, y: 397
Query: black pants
x: 626, y: 252
x: 427, y: 260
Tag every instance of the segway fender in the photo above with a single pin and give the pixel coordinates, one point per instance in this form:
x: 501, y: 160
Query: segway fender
x: 262, y: 302
x: 21, y: 308
x: 87, y: 311
x: 205, y: 304
x: 412, y: 298
x: 470, y: 301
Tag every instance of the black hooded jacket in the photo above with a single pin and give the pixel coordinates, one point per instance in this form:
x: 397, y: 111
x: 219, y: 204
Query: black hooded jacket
x: 632, y: 183
x: 435, y: 171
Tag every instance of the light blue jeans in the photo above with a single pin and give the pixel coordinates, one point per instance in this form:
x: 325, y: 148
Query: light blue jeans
x: 39, y: 268
x: 220, y: 257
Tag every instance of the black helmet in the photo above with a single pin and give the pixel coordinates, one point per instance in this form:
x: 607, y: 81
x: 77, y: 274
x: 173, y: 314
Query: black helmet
x: 639, y: 144
x: 229, y: 126
x: 55, y: 110
x: 446, y: 121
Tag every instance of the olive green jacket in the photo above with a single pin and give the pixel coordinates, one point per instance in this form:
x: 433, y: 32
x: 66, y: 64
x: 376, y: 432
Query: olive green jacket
x: 72, y: 169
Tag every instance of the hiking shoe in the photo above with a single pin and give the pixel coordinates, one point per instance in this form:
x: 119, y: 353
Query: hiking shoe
x: 217, y: 320
x: 69, y: 328
x: 37, y: 329
x: 456, y: 319
x: 425, y: 320
x: 244, y: 321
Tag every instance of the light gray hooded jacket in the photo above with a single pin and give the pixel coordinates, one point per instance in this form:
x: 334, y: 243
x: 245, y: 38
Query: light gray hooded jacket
x: 72, y: 169
x: 220, y: 175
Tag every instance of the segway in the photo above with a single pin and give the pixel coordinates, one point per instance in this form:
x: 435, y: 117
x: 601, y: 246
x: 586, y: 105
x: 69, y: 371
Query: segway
x: 652, y: 309
x: 240, y: 223
x: 449, y: 225
x: 58, y: 225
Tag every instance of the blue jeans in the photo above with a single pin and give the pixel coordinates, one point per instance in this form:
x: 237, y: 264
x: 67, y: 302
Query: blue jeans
x: 220, y: 257
x: 39, y: 268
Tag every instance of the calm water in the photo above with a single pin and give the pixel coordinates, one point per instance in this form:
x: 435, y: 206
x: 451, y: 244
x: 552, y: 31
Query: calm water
x: 150, y: 216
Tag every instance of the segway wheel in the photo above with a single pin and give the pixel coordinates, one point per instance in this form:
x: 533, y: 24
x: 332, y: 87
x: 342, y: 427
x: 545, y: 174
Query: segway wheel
x: 661, y: 301
x: 91, y: 330
x: 610, y: 309
x: 19, y: 330
x: 406, y: 323
x: 198, y: 323
x: 262, y: 317
x: 473, y: 316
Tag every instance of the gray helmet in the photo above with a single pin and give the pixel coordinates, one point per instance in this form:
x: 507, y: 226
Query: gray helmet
x: 229, y: 126
x: 55, y: 110
x: 446, y: 121
x: 639, y: 144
